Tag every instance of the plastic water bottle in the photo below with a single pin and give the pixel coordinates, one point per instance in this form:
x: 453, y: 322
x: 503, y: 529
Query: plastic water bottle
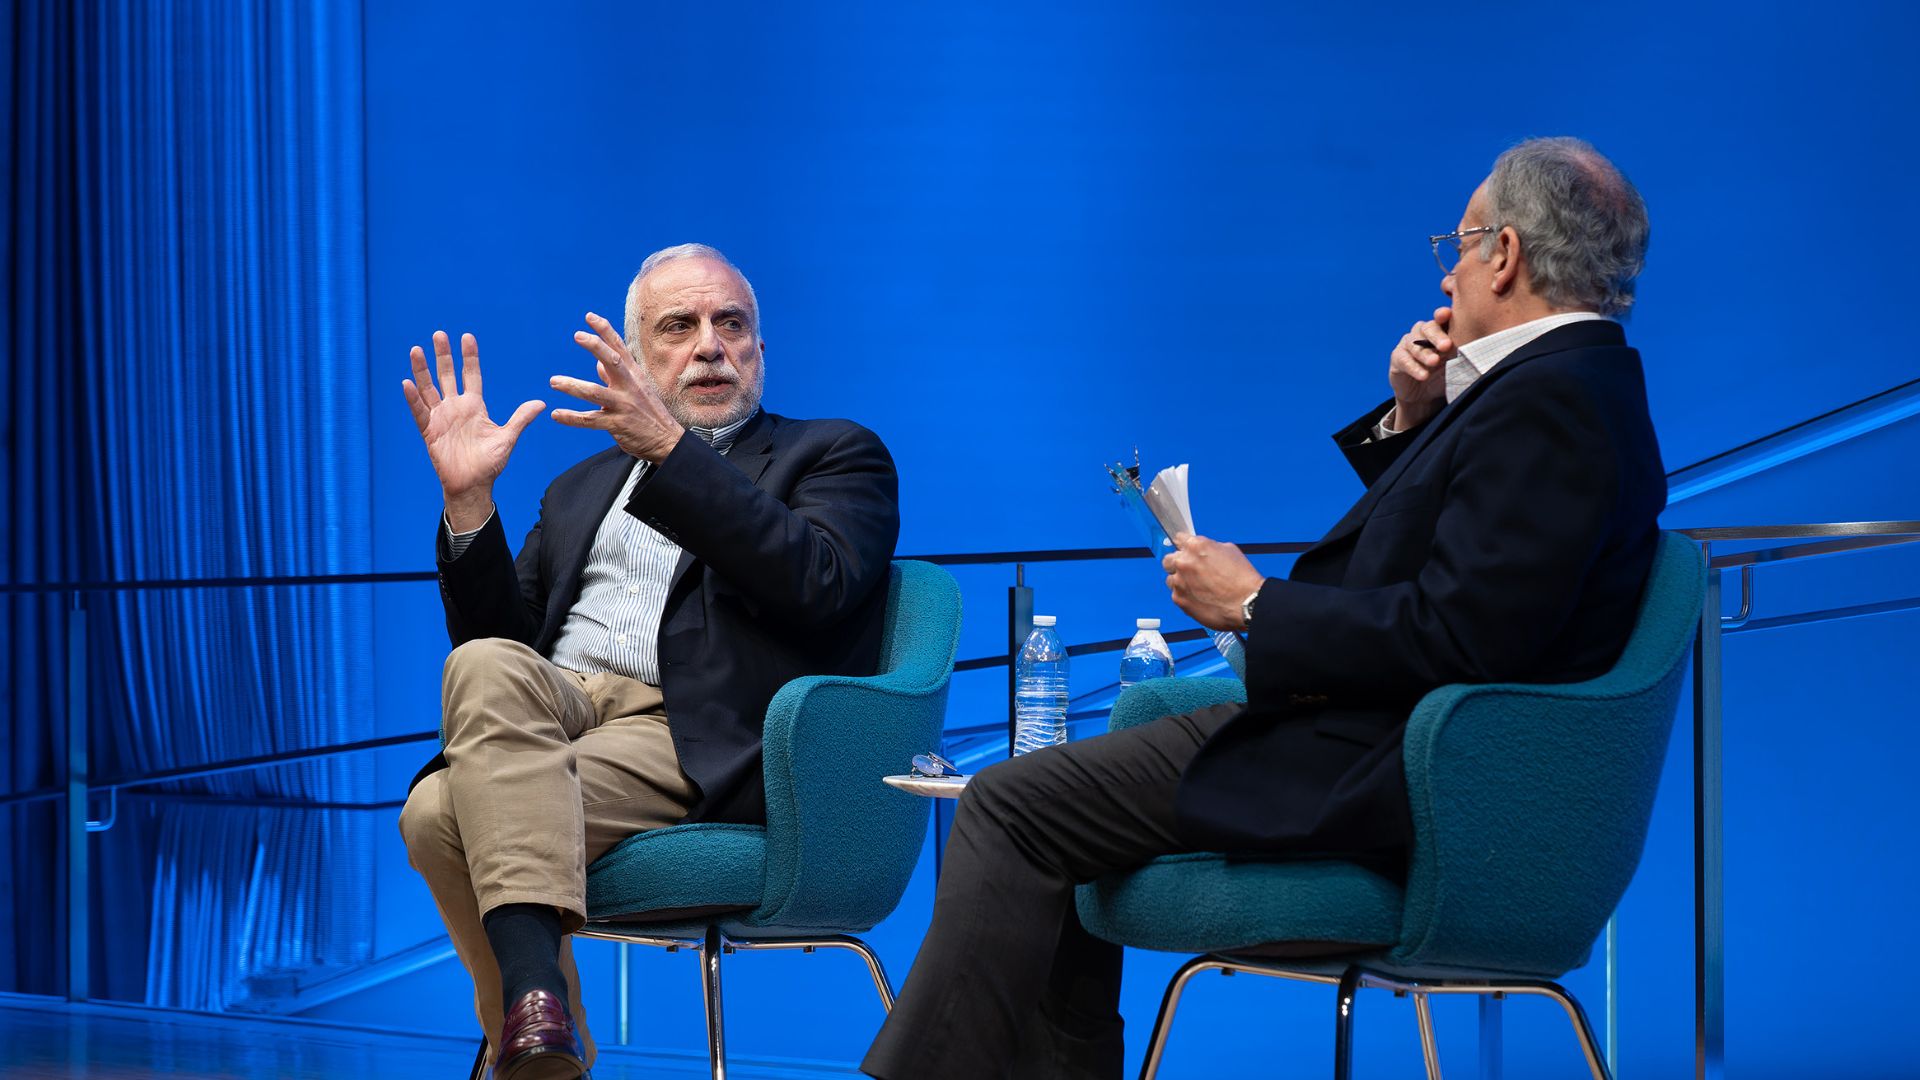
x: 1147, y: 655
x: 1040, y: 690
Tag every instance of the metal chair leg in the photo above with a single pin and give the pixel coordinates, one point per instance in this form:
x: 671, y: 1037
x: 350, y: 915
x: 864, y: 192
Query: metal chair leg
x: 710, y: 951
x: 836, y: 941
x: 1429, y: 1047
x: 1492, y: 1036
x: 1582, y: 1029
x: 874, y: 969
x: 479, y: 1061
x: 1343, y: 1025
x: 1163, y: 1023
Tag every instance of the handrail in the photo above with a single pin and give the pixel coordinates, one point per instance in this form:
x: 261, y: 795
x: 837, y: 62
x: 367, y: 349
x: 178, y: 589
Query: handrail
x: 1827, y: 539
x: 963, y: 558
x: 1836, y: 531
x: 1795, y: 441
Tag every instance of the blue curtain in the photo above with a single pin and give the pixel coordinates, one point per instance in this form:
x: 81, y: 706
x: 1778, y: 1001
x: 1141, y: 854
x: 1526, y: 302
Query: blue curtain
x: 188, y: 399
x: 36, y: 232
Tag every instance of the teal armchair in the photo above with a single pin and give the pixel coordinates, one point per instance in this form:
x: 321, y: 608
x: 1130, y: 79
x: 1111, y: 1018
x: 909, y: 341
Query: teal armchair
x: 838, y: 846
x: 1530, y: 810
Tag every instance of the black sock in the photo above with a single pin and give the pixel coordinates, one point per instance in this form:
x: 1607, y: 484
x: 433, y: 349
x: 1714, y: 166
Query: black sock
x: 526, y: 943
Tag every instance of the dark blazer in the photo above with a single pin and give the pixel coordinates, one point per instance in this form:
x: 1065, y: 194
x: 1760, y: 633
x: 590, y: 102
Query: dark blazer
x: 786, y: 544
x: 1505, y: 540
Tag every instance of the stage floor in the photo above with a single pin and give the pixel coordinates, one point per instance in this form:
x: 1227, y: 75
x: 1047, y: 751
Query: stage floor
x: 43, y: 1039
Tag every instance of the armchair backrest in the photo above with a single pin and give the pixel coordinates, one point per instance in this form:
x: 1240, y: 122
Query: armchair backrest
x: 841, y: 845
x: 1531, y: 802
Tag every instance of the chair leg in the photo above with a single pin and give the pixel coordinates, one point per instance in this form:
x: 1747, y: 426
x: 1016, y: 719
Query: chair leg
x: 1163, y: 1023
x: 1582, y: 1029
x: 874, y: 969
x: 1492, y: 1036
x: 835, y: 941
x: 1429, y: 1047
x: 710, y: 951
x: 1343, y: 1025
x: 479, y: 1061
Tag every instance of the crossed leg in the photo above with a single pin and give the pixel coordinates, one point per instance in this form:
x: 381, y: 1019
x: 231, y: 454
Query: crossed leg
x: 547, y: 770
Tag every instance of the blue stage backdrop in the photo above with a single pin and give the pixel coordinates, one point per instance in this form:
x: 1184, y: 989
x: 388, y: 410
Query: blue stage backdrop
x: 189, y: 401
x: 1017, y: 240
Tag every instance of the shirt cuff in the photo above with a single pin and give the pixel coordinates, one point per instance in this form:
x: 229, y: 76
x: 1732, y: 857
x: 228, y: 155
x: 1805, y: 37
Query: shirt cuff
x: 457, y: 542
x: 1381, y: 432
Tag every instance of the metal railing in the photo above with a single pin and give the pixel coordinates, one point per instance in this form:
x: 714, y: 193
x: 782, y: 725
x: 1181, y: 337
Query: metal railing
x: 1780, y: 544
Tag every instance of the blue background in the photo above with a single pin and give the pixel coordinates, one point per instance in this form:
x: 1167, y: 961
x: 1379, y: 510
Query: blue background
x: 1018, y: 240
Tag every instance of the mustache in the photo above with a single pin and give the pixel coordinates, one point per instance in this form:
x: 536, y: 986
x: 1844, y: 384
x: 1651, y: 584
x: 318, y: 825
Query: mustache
x: 706, y: 372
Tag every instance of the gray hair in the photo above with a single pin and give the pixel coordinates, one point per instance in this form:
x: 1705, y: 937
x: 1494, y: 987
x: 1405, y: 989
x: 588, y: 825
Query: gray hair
x: 1582, y: 225
x: 671, y: 254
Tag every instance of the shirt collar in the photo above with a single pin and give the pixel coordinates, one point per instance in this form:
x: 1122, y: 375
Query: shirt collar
x: 721, y: 438
x: 1476, y: 358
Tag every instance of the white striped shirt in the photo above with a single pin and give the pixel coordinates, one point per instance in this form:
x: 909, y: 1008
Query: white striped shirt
x: 614, y: 625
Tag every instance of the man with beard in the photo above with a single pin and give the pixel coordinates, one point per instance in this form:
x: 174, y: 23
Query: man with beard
x: 613, y: 676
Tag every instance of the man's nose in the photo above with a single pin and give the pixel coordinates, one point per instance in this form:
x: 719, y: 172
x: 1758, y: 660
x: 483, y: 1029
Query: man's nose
x: 1446, y: 284
x: 709, y: 346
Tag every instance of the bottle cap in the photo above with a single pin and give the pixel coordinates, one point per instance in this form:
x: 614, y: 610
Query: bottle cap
x: 1146, y: 624
x: 1043, y: 620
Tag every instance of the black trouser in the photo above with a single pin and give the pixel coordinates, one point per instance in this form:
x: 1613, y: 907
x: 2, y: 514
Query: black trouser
x: 1007, y: 984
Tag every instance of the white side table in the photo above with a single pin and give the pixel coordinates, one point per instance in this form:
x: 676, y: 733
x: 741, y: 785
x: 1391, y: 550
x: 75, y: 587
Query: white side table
x: 933, y: 787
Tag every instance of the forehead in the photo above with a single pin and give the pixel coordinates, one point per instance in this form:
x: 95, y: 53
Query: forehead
x: 692, y: 282
x: 1476, y: 211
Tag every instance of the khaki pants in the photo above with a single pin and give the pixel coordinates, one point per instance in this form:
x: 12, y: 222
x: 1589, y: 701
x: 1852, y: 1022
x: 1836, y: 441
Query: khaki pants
x: 546, y: 770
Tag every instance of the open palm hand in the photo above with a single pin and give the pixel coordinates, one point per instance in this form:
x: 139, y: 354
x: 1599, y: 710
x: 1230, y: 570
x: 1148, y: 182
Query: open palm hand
x: 467, y: 448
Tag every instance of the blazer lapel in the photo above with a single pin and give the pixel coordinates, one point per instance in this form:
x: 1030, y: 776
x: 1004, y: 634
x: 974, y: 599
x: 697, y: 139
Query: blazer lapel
x: 1587, y: 334
x: 753, y: 449
x: 751, y: 453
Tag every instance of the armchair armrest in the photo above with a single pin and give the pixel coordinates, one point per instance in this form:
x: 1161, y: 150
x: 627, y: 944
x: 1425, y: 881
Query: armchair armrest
x: 841, y: 844
x: 1156, y: 698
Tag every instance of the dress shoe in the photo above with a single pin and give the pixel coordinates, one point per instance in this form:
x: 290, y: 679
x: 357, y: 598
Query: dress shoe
x: 539, y: 1042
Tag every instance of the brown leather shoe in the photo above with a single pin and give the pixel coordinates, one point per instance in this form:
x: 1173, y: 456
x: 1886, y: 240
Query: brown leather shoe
x: 539, y: 1042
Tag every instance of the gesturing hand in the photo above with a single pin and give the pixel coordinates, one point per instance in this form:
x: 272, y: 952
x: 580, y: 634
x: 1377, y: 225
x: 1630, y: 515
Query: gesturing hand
x: 1210, y: 580
x: 630, y: 408
x: 467, y: 448
x: 1414, y: 370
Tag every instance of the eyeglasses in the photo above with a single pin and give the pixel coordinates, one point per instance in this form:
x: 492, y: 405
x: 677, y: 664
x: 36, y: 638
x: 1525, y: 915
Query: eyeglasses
x: 1447, y: 247
x: 932, y: 764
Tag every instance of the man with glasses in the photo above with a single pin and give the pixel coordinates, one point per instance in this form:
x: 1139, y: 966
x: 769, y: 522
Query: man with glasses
x: 1505, y: 534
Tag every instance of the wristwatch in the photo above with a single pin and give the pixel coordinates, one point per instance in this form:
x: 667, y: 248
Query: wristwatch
x: 1246, y: 607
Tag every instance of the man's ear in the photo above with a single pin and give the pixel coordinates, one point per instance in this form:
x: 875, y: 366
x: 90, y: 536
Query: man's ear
x: 1507, y: 260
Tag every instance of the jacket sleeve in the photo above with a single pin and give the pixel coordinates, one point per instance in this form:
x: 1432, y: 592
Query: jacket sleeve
x: 810, y: 560
x: 1368, y: 457
x: 1522, y: 517
x: 486, y: 592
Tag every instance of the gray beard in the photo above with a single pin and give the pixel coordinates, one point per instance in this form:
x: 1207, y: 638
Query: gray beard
x: 742, y: 407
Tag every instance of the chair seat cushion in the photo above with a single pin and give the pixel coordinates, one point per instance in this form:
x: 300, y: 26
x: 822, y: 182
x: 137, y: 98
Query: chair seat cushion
x: 685, y: 866
x: 1202, y: 902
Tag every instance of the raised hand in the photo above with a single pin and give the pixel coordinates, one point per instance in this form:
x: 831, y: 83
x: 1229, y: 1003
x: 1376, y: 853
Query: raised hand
x: 1415, y: 370
x: 630, y: 407
x: 467, y: 448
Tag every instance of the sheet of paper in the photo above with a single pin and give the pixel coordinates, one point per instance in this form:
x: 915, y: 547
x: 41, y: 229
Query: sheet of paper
x: 1167, y: 498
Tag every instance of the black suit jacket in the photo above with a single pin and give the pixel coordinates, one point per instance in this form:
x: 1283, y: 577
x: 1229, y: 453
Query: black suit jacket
x: 786, y: 543
x: 1507, y: 539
